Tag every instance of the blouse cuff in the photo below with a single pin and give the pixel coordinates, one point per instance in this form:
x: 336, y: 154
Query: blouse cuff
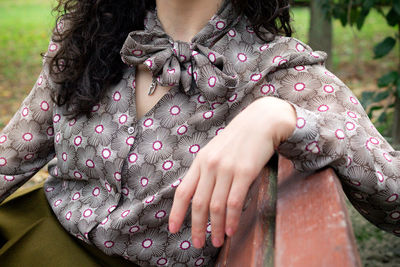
x: 303, y: 142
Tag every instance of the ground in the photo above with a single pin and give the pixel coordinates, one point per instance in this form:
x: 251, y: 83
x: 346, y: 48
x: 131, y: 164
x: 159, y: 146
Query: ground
x: 377, y: 248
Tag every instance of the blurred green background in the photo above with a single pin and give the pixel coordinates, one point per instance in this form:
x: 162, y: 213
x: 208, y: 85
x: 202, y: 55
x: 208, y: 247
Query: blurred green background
x: 25, y: 27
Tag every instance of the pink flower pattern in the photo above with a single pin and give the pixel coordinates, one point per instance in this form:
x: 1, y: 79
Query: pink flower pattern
x: 114, y: 176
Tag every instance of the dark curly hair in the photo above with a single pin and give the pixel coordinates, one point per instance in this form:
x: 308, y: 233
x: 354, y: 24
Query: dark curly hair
x: 89, y: 61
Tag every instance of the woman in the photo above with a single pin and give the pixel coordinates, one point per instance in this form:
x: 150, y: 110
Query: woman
x: 190, y: 115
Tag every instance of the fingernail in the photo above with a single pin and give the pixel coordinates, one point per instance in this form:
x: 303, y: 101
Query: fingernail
x: 196, y: 243
x: 172, y: 227
x: 229, y: 231
x: 216, y: 242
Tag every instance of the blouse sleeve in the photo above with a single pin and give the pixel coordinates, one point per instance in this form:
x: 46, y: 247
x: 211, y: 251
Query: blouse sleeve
x: 334, y: 130
x: 26, y: 143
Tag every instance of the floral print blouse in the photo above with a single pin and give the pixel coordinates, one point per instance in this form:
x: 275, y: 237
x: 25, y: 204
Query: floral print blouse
x: 115, y: 175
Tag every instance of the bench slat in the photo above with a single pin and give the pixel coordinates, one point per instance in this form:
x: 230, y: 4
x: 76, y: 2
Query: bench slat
x: 312, y: 223
x: 252, y: 244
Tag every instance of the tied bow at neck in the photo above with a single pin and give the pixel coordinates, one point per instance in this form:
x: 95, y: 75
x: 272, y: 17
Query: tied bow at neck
x: 193, y: 66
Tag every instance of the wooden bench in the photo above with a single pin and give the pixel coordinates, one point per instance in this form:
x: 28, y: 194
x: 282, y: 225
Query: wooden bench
x: 293, y: 220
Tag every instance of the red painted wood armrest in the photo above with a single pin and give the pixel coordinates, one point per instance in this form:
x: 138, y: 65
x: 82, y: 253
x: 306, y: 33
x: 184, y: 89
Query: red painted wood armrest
x: 293, y: 220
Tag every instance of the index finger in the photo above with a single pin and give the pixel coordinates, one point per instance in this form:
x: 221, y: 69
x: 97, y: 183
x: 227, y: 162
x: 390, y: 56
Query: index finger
x: 182, y: 197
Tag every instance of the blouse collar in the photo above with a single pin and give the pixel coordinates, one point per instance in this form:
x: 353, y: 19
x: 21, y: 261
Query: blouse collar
x: 224, y: 20
x: 193, y: 65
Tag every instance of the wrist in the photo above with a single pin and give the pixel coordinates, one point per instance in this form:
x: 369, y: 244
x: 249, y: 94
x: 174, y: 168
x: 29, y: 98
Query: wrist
x: 280, y: 118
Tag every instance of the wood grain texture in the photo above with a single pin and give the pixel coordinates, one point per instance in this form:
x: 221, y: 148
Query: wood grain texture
x: 293, y: 220
x: 312, y: 224
x: 252, y: 244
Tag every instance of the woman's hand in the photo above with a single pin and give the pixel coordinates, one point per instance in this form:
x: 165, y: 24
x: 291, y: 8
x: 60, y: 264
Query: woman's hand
x: 222, y: 172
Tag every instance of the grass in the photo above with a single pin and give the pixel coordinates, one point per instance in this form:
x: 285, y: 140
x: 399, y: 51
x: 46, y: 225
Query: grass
x: 25, y: 27
x: 24, y: 34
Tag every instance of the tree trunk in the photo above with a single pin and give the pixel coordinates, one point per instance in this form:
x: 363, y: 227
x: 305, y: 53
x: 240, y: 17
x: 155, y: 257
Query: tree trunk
x: 396, y: 125
x: 396, y: 117
x: 320, y: 32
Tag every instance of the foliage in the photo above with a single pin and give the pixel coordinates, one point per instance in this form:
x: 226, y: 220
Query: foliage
x: 354, y: 13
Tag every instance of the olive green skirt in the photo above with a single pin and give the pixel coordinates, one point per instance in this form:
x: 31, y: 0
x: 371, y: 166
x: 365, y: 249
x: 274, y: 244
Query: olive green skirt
x: 30, y: 236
